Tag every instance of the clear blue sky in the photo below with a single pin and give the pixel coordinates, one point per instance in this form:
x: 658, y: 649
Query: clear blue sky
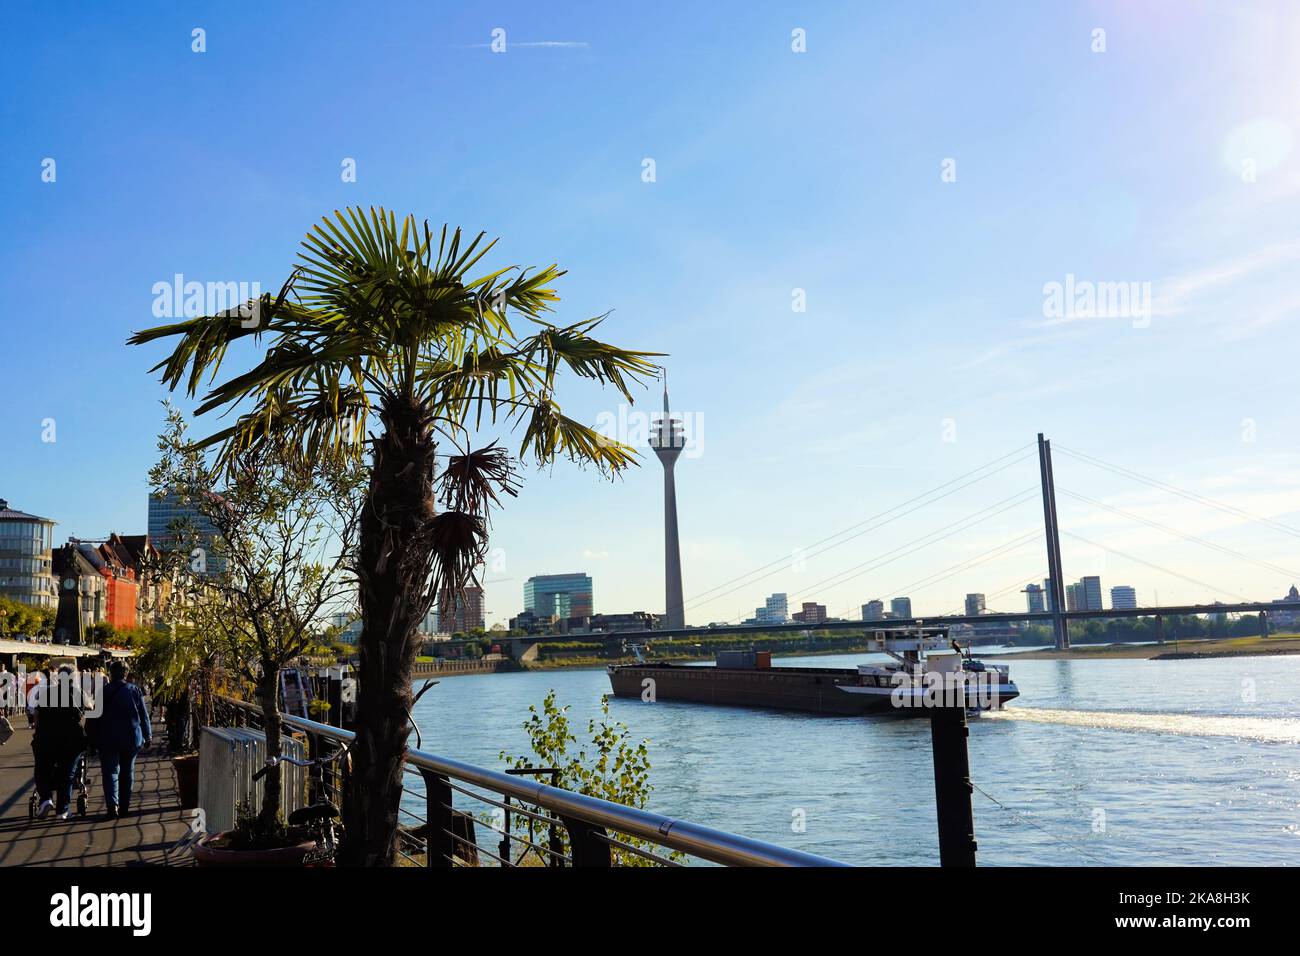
x: 925, y: 349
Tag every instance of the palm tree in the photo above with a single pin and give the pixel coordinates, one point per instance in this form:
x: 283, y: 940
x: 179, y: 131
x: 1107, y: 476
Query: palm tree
x: 380, y: 339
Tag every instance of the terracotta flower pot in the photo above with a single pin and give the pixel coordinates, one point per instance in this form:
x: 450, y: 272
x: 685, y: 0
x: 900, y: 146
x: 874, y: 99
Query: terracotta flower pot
x: 205, y: 854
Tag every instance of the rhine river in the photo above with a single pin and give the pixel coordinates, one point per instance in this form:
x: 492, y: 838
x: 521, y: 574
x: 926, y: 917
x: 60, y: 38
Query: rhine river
x: 1118, y: 762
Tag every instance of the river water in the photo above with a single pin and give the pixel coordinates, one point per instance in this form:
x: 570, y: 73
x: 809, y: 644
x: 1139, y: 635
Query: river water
x: 1119, y: 762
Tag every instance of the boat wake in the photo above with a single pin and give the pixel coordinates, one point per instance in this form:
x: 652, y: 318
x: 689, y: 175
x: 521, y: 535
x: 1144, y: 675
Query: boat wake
x: 1281, y: 730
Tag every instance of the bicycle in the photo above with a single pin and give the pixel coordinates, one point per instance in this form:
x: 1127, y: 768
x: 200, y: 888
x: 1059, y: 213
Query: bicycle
x: 320, y: 819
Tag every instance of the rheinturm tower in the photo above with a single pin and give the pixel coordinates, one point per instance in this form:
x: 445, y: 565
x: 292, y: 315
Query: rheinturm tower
x: 667, y: 440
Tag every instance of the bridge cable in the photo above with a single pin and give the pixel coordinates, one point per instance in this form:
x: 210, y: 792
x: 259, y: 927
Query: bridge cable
x: 1190, y: 495
x: 995, y: 594
x: 970, y: 521
x: 783, y: 559
x: 1182, y: 534
x: 1006, y: 547
x: 1213, y: 588
x: 942, y: 533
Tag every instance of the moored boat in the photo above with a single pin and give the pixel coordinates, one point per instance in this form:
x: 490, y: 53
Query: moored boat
x: 916, y: 680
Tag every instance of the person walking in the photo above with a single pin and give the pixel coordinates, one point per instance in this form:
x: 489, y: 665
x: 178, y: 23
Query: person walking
x: 58, y: 741
x: 119, y: 732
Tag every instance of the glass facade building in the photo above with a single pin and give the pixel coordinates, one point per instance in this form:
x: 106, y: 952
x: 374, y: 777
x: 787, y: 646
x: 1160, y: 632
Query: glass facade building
x: 26, y: 558
x: 559, y: 595
x: 166, y: 509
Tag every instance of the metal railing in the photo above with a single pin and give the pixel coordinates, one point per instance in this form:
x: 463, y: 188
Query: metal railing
x: 537, y: 824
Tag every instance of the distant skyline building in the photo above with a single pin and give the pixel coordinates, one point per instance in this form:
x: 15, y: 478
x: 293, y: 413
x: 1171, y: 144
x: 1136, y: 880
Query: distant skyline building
x: 559, y: 595
x: 775, y: 610
x: 26, y: 557
x: 1073, y: 597
x: 1285, y: 617
x: 668, y: 440
x: 1035, y: 602
x: 1123, y: 598
x: 873, y: 610
x: 812, y: 613
x: 974, y: 605
x: 166, y: 509
x: 900, y: 607
x: 1090, y: 593
x: 463, y: 612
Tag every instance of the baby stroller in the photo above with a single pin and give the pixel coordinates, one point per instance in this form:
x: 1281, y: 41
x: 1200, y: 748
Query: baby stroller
x: 79, y: 785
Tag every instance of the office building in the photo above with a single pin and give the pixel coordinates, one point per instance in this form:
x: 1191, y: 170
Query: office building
x: 26, y: 558
x: 873, y: 611
x: 900, y: 607
x: 460, y: 613
x: 166, y: 511
x: 1034, y: 599
x: 775, y: 610
x: 812, y: 613
x: 1123, y: 598
x: 974, y: 605
x: 1090, y: 588
x: 1073, y: 594
x: 559, y: 595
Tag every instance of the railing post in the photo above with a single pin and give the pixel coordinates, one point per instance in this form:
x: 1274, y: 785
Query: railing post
x: 315, y: 774
x: 439, y: 844
x: 952, y: 785
x: 587, y: 844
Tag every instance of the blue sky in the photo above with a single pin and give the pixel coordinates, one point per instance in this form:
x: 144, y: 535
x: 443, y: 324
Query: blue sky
x: 925, y: 350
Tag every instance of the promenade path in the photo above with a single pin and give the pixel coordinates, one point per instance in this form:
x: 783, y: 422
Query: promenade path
x: 144, y: 838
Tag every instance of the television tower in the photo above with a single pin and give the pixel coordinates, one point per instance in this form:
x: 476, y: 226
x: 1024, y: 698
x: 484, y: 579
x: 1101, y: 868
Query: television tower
x: 667, y: 440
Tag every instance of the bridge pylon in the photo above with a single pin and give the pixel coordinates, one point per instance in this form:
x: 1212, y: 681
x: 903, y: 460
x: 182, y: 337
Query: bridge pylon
x: 1055, y: 581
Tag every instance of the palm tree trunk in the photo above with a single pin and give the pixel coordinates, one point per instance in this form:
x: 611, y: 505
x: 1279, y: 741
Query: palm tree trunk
x: 393, y: 569
x: 268, y: 700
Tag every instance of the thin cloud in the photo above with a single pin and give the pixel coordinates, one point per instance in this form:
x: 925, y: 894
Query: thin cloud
x: 544, y: 44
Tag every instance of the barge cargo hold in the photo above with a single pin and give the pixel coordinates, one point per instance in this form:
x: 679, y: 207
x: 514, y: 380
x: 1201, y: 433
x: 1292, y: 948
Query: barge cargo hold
x: 738, y: 680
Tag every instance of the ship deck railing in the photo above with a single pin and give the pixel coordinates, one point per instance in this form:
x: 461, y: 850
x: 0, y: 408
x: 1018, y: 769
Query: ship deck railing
x: 457, y: 814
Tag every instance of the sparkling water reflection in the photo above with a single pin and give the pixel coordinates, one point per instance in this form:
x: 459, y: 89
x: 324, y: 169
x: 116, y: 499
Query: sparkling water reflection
x: 1121, y: 762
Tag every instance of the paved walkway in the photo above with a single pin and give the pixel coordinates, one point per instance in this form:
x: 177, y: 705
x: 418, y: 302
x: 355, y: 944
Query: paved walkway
x: 144, y: 838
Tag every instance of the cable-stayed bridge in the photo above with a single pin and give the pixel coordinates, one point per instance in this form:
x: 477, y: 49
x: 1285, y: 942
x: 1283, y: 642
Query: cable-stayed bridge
x: 1056, y: 613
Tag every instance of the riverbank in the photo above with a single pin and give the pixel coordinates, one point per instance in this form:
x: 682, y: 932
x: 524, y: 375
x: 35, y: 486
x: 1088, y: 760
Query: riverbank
x: 1168, y: 651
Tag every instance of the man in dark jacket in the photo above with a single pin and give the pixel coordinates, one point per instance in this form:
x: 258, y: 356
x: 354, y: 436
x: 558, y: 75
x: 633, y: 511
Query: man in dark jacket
x: 119, y: 732
x: 57, y: 741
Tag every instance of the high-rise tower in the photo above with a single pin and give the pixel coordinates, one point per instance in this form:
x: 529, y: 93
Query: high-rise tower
x: 667, y: 439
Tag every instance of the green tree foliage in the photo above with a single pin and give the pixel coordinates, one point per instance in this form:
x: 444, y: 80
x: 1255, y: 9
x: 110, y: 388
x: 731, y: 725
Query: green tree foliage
x: 611, y: 767
x: 17, y: 618
x: 285, y: 529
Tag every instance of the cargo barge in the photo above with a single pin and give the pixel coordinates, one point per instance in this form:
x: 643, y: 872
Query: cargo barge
x: 915, y: 681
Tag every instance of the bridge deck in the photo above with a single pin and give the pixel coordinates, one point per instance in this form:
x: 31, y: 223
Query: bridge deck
x: 155, y: 824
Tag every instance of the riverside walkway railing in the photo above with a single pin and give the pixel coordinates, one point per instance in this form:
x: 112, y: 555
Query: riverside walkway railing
x: 535, y: 824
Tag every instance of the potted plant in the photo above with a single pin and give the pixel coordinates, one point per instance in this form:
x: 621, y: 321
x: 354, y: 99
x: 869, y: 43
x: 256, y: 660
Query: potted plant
x: 180, y: 665
x: 255, y: 843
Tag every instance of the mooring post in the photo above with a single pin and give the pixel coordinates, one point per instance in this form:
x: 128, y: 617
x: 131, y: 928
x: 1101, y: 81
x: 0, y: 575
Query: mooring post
x: 952, y: 786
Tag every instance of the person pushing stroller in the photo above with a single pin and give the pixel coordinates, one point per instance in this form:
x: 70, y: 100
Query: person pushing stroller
x: 58, y: 741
